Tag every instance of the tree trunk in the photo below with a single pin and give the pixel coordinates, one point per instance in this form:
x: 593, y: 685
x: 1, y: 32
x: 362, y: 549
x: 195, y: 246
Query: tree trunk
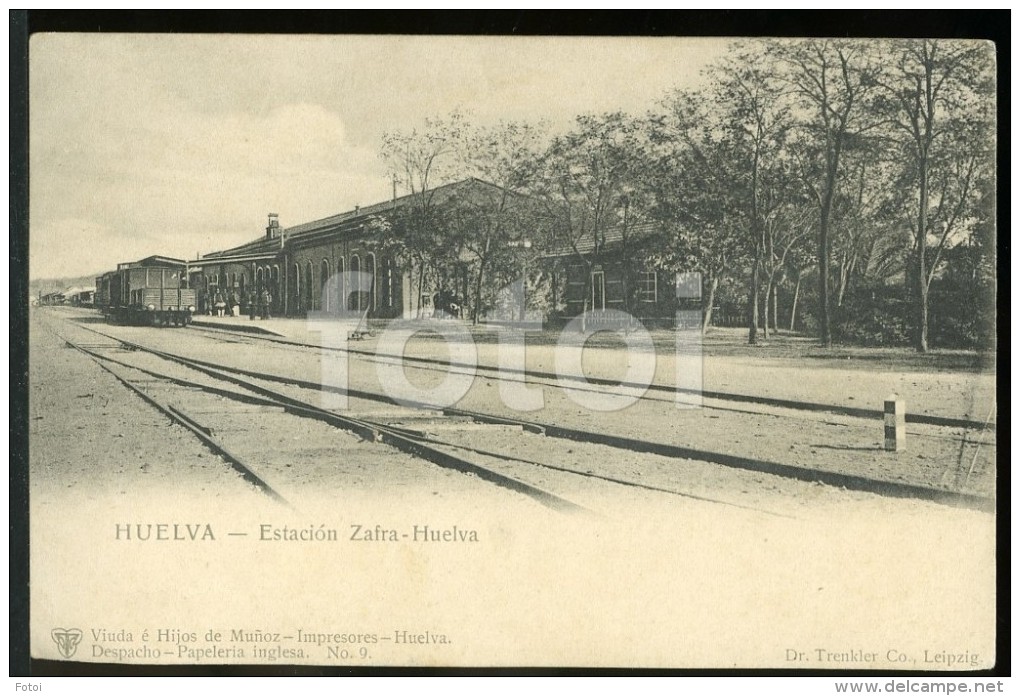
x: 846, y: 268
x: 421, y: 286
x: 752, y: 329
x: 775, y: 308
x: 589, y: 284
x: 922, y: 274
x: 765, y: 309
x: 793, y: 309
x: 478, y: 295
x: 552, y: 285
x: 823, y: 280
x: 524, y: 296
x: 706, y: 316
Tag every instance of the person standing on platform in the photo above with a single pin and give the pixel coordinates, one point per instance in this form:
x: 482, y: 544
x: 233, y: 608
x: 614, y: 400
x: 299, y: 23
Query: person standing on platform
x: 253, y: 305
x: 264, y: 300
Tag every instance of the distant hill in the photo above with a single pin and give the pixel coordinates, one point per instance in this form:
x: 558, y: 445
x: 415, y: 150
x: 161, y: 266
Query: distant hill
x: 47, y: 285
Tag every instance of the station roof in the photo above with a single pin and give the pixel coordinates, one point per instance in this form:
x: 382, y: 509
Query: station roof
x: 350, y: 220
x: 150, y: 261
x: 614, y: 236
x: 262, y: 245
x: 441, y: 194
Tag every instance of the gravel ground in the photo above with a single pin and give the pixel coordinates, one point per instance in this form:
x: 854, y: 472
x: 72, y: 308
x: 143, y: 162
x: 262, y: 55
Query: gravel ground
x: 943, y: 382
x: 935, y: 456
x: 724, y: 569
x: 310, y: 464
x: 93, y: 440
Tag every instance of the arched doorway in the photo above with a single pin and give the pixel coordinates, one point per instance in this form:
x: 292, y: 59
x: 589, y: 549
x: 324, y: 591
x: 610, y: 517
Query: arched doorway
x: 340, y: 285
x: 308, y: 294
x: 273, y: 280
x: 354, y: 297
x: 294, y: 302
x: 324, y: 279
x: 371, y: 270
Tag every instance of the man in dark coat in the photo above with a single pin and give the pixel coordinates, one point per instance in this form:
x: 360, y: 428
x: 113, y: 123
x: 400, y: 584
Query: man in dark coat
x: 264, y: 300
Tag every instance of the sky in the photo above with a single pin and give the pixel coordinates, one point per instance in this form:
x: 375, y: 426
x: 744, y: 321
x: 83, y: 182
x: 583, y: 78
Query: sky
x: 178, y: 145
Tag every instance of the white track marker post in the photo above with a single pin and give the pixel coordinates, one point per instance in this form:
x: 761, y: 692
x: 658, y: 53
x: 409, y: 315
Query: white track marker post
x: 895, y: 424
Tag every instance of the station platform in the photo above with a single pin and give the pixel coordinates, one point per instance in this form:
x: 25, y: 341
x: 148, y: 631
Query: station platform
x: 303, y: 330
x: 286, y: 328
x: 295, y: 329
x: 792, y: 376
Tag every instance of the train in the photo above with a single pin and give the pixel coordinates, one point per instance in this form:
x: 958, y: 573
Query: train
x: 151, y: 292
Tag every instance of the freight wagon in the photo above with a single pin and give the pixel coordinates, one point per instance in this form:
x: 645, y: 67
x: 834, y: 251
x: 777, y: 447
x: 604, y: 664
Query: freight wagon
x: 150, y: 292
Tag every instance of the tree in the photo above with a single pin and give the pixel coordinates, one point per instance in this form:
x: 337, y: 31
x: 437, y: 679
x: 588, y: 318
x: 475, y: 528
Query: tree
x: 786, y: 232
x: 799, y: 260
x: 937, y: 96
x: 693, y: 203
x: 422, y: 160
x: 831, y: 81
x: 963, y: 295
x: 867, y: 245
x: 755, y: 122
x: 727, y: 188
x: 585, y: 183
x: 496, y: 220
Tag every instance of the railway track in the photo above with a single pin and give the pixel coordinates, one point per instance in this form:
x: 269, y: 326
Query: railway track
x: 185, y: 403
x: 437, y: 437
x: 445, y: 437
x: 655, y: 392
x: 213, y: 403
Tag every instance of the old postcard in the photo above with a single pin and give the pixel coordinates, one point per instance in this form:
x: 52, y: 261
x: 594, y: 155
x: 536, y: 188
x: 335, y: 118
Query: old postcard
x: 375, y: 351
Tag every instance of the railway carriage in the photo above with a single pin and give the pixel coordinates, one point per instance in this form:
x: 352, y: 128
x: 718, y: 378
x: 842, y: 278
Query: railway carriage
x: 150, y: 292
x: 103, y: 291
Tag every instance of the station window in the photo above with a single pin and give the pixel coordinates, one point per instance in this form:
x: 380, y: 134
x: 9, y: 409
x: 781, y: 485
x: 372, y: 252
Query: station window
x: 647, y: 287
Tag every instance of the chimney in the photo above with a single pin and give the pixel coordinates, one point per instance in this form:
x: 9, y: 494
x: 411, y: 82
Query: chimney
x: 273, y: 228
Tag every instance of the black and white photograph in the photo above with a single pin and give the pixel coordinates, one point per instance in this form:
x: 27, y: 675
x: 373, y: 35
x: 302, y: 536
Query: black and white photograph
x: 417, y: 351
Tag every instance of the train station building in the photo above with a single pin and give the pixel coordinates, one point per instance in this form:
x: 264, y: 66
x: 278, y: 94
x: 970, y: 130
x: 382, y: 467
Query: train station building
x: 346, y: 262
x: 351, y: 262
x: 617, y: 277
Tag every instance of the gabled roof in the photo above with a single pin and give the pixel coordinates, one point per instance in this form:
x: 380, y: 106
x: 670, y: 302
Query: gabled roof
x: 262, y: 245
x: 613, y: 236
x: 440, y: 193
x: 350, y: 220
x: 155, y: 260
